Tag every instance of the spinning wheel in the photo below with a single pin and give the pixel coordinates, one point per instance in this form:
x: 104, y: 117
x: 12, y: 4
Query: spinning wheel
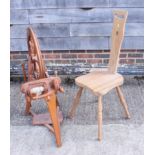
x: 40, y: 85
x: 36, y: 66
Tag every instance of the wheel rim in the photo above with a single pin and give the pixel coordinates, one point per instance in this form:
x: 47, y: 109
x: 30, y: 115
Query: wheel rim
x: 36, y: 68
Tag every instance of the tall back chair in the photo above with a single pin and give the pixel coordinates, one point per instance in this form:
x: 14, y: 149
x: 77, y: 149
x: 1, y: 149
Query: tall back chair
x: 101, y: 82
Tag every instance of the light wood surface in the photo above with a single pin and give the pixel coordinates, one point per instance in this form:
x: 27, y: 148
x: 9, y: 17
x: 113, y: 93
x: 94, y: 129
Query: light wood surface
x: 123, y: 101
x: 52, y: 107
x: 100, y: 118
x: 101, y: 82
x: 75, y: 103
x: 120, y: 18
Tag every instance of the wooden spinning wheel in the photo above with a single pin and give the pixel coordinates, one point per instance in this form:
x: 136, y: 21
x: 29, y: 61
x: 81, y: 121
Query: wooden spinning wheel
x: 40, y: 85
x: 36, y: 66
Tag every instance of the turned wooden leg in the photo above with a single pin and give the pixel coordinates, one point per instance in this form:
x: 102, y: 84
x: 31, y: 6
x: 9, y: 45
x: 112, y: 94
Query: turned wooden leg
x: 123, y: 102
x: 75, y: 103
x: 54, y: 117
x: 28, y: 105
x: 100, y: 118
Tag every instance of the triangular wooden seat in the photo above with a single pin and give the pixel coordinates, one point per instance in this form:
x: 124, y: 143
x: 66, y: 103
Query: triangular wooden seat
x: 100, y: 82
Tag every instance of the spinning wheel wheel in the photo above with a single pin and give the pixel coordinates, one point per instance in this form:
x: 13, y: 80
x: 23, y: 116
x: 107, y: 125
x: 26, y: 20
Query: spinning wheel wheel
x: 36, y: 67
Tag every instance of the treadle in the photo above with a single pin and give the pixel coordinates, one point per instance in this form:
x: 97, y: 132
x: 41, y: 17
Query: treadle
x: 42, y: 119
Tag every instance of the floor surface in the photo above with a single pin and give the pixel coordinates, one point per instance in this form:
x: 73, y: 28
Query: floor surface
x: 79, y: 136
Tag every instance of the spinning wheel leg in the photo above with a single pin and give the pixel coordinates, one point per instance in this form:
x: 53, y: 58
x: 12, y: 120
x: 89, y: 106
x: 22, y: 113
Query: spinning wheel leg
x: 28, y: 105
x: 53, y: 113
x: 57, y: 101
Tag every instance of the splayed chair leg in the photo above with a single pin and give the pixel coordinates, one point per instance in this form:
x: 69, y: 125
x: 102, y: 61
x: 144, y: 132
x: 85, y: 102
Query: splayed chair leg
x: 123, y: 102
x: 76, y: 101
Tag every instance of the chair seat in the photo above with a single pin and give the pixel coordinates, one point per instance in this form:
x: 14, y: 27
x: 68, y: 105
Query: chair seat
x: 100, y: 82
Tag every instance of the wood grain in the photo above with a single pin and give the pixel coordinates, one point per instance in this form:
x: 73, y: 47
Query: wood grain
x: 101, y: 82
x: 133, y: 43
x: 128, y: 3
x: 40, y: 4
x: 54, y: 117
x: 123, y: 101
x: 41, y: 30
x: 100, y: 118
x: 78, y: 43
x: 104, y: 29
x: 75, y: 30
x: 19, y: 16
x: 70, y: 43
x: 85, y: 20
x: 75, y: 103
x: 80, y: 15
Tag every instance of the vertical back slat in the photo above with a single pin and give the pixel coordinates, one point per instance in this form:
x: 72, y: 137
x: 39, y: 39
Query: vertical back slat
x: 117, y: 38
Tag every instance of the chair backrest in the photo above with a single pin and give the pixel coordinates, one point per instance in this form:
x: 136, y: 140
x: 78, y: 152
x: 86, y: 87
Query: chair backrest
x: 118, y: 29
x: 35, y: 61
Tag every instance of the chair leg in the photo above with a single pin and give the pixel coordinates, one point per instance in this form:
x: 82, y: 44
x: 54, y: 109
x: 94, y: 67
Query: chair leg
x: 75, y: 103
x: 28, y: 105
x: 54, y: 117
x: 123, y: 102
x: 100, y: 118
